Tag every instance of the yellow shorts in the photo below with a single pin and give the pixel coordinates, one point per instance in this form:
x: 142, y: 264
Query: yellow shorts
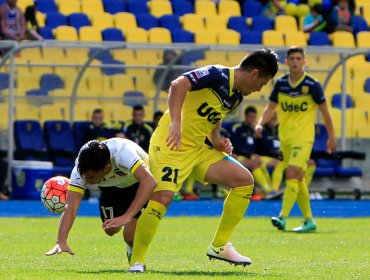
x: 296, y: 154
x: 171, y: 168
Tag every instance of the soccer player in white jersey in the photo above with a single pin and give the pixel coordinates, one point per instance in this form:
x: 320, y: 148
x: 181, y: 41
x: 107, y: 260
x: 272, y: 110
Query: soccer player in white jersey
x: 120, y: 168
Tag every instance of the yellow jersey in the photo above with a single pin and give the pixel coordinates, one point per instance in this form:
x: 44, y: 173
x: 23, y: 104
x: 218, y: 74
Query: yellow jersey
x: 297, y: 107
x: 212, y: 97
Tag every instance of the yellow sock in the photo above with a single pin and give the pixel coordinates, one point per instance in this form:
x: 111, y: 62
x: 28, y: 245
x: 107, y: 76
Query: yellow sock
x: 235, y: 205
x: 146, y: 228
x: 189, y: 185
x: 290, y: 196
x: 277, y: 176
x: 266, y: 174
x: 303, y: 200
x: 308, y: 175
x: 261, y: 179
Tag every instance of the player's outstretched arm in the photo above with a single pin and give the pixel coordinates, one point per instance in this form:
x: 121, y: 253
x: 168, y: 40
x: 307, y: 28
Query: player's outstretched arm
x: 176, y: 97
x: 65, y: 224
x: 266, y: 116
x: 147, y: 185
x: 329, y: 127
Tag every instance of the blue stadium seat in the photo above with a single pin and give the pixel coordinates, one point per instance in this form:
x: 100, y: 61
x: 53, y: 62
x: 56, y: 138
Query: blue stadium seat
x: 103, y: 56
x: 251, y: 37
x: 110, y: 70
x: 171, y: 22
x: 77, y: 20
x: 132, y: 98
x: 60, y: 143
x: 192, y: 56
x: 182, y: 36
x: 327, y: 167
x: 336, y: 101
x: 182, y: 7
x: 367, y: 85
x: 137, y: 7
x: 319, y: 39
x: 46, y: 6
x: 4, y: 81
x: 79, y: 130
x: 252, y: 8
x: 36, y: 92
x: 114, y: 6
x: 29, y: 140
x: 261, y: 23
x: 46, y: 33
x: 359, y: 24
x: 51, y: 82
x: 112, y: 34
x: 55, y: 19
x: 146, y: 21
x: 238, y: 24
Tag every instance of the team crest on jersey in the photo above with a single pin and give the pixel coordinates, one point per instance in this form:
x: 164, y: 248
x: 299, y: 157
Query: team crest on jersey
x: 201, y: 73
x: 305, y: 89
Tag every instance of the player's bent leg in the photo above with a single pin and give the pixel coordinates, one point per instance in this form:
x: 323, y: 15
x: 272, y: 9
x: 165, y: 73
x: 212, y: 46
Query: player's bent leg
x: 147, y: 226
x: 240, y: 180
x: 128, y: 236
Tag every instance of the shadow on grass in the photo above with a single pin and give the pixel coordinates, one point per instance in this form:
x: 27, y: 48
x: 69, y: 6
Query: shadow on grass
x: 193, y: 273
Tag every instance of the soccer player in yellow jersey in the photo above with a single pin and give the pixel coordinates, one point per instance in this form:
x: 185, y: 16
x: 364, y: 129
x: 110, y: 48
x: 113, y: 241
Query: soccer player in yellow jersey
x: 296, y: 96
x: 198, y: 100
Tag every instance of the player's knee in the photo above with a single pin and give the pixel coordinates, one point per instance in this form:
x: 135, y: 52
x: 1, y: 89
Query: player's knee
x: 112, y: 231
x: 294, y: 172
x: 243, y: 179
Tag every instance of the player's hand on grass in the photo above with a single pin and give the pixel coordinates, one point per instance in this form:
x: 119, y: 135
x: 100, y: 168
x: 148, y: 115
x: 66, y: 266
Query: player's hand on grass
x: 223, y: 144
x: 174, y: 137
x: 116, y: 222
x: 59, y: 248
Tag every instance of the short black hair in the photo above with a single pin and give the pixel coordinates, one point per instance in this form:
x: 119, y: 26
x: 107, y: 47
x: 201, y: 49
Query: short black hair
x: 94, y: 155
x: 97, y: 111
x: 295, y: 49
x: 157, y: 114
x: 138, y: 107
x: 250, y: 109
x: 265, y: 60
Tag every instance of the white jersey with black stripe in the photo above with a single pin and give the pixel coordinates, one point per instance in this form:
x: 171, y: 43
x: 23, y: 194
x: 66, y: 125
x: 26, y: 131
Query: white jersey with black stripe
x: 126, y: 157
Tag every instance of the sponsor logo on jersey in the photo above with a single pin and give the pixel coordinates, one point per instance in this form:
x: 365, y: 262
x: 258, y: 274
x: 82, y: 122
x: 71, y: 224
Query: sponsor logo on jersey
x: 292, y: 107
x: 201, y: 73
x: 209, y: 112
x: 305, y: 89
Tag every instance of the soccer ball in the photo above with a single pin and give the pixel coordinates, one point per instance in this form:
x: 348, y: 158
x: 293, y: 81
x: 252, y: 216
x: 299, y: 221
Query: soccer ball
x: 54, y: 194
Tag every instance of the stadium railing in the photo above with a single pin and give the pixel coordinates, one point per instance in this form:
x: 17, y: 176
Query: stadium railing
x: 89, y: 70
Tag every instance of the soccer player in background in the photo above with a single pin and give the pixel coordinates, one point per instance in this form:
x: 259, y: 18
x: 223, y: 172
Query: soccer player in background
x: 137, y: 129
x: 242, y: 138
x: 198, y: 100
x: 296, y: 96
x: 120, y: 168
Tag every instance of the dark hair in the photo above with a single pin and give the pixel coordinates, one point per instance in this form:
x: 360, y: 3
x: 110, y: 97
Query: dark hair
x: 94, y: 155
x: 265, y: 60
x: 138, y: 107
x: 98, y: 111
x: 250, y: 109
x: 317, y: 8
x: 157, y: 114
x: 296, y: 50
x: 30, y: 15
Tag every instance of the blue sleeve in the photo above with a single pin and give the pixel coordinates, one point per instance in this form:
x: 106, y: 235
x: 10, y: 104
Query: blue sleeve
x: 204, y: 77
x: 275, y: 92
x: 318, y: 93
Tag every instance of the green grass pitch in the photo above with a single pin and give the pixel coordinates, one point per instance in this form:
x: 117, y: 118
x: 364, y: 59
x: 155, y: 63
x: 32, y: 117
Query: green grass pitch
x: 340, y: 249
